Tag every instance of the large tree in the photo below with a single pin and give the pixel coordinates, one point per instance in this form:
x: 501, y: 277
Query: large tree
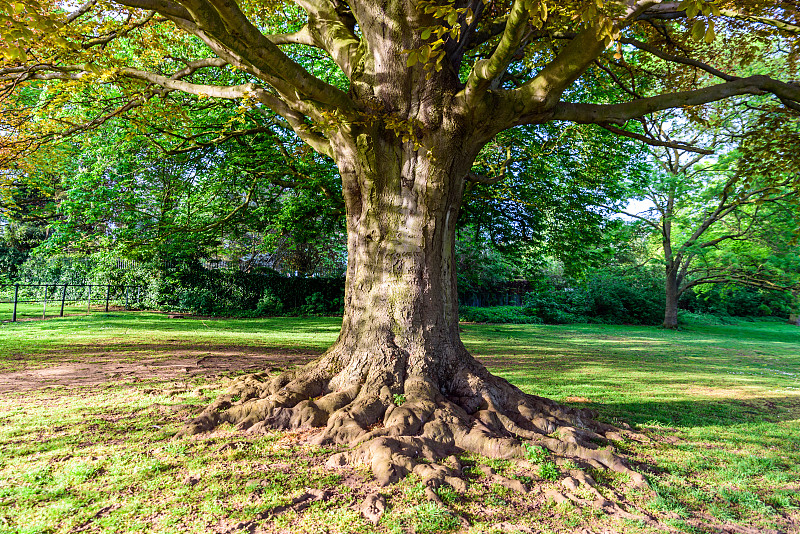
x: 402, y: 95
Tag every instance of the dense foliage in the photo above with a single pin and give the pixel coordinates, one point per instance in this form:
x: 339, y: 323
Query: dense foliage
x: 103, y: 156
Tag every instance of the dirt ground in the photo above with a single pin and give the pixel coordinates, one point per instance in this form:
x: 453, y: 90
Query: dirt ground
x: 103, y: 364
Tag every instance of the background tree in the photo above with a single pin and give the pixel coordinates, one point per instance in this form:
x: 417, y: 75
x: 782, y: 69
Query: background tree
x: 404, y: 130
x: 544, y: 189
x: 716, y: 219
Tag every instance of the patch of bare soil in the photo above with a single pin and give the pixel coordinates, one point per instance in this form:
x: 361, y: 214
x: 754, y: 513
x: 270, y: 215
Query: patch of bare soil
x: 102, y: 364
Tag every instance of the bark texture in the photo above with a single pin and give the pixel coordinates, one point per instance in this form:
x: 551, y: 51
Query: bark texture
x: 672, y: 287
x: 398, y: 386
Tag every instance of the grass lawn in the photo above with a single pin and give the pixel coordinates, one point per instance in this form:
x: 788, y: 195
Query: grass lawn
x: 89, y: 406
x: 33, y: 310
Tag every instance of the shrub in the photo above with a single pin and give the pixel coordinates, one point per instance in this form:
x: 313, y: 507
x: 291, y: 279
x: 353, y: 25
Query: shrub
x: 603, y: 296
x: 737, y: 301
x: 10, y: 261
x: 198, y: 301
x: 625, y: 299
x: 315, y: 304
x: 269, y: 304
x: 554, y: 306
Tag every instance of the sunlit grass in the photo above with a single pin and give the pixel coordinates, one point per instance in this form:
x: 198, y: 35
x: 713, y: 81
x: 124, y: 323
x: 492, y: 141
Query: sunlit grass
x: 721, y: 403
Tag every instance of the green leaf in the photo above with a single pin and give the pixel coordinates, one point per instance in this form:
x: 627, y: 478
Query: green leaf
x: 698, y: 29
x: 412, y: 58
x: 425, y: 53
x: 710, y: 35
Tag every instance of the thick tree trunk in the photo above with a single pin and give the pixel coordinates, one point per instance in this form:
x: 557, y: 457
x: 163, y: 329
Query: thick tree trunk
x: 671, y: 307
x: 401, y: 303
x: 398, y: 385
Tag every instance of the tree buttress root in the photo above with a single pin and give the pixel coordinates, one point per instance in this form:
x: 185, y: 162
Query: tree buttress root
x: 415, y: 428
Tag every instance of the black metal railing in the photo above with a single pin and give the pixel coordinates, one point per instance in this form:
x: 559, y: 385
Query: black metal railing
x: 74, y: 294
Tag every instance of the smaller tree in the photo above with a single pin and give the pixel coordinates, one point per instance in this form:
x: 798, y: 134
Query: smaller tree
x: 716, y: 221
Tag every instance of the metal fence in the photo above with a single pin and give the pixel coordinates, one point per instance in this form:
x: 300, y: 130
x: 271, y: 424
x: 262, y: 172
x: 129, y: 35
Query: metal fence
x: 61, y: 295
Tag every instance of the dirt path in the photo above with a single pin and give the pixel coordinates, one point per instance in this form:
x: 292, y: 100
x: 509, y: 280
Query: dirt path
x: 95, y: 365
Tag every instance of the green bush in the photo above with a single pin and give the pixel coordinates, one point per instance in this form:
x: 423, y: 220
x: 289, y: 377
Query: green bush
x: 624, y: 299
x: 10, y: 261
x: 736, y: 301
x: 269, y: 304
x: 555, y: 306
x: 218, y: 292
x: 184, y: 284
x: 604, y: 296
x: 315, y: 304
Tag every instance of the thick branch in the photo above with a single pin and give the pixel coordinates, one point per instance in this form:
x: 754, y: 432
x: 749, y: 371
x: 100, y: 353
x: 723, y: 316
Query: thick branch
x: 329, y: 31
x: 82, y: 10
x: 775, y: 23
x: 656, y: 142
x: 194, y: 66
x: 672, y: 10
x: 240, y: 42
x: 619, y: 113
x: 302, y: 36
x: 217, y: 91
x: 650, y: 49
x: 543, y: 91
x: 296, y: 122
x: 483, y: 179
x: 173, y: 10
x: 486, y: 70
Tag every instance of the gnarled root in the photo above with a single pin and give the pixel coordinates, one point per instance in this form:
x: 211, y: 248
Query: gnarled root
x: 412, y: 426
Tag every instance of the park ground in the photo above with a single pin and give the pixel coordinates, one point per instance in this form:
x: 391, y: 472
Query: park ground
x: 89, y: 406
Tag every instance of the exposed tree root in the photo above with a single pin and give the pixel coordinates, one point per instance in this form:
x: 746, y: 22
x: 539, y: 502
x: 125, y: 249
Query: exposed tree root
x: 398, y: 427
x: 400, y: 432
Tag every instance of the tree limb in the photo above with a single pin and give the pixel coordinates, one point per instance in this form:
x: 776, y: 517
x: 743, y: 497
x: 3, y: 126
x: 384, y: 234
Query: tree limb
x: 328, y: 30
x: 650, y: 49
x: 619, y: 113
x: 655, y: 142
x: 219, y: 22
x: 486, y: 70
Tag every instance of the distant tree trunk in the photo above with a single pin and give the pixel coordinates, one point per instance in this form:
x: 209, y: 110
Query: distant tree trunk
x: 672, y: 294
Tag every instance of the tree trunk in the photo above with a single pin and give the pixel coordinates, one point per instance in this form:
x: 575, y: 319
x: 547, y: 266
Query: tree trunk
x: 671, y: 307
x: 401, y: 303
x: 398, y: 383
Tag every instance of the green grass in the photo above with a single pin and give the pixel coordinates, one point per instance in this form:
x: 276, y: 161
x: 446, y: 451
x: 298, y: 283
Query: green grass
x: 721, y: 404
x: 33, y: 310
x: 41, y: 343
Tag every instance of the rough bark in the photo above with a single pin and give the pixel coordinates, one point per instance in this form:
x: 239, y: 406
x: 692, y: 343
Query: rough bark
x: 672, y: 294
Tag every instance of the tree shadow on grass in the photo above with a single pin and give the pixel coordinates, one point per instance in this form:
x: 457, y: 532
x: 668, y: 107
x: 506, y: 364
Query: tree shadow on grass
x: 705, y: 413
x: 150, y: 321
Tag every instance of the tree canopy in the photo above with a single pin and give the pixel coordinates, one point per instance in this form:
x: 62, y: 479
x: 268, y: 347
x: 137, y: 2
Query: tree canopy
x: 317, y: 64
